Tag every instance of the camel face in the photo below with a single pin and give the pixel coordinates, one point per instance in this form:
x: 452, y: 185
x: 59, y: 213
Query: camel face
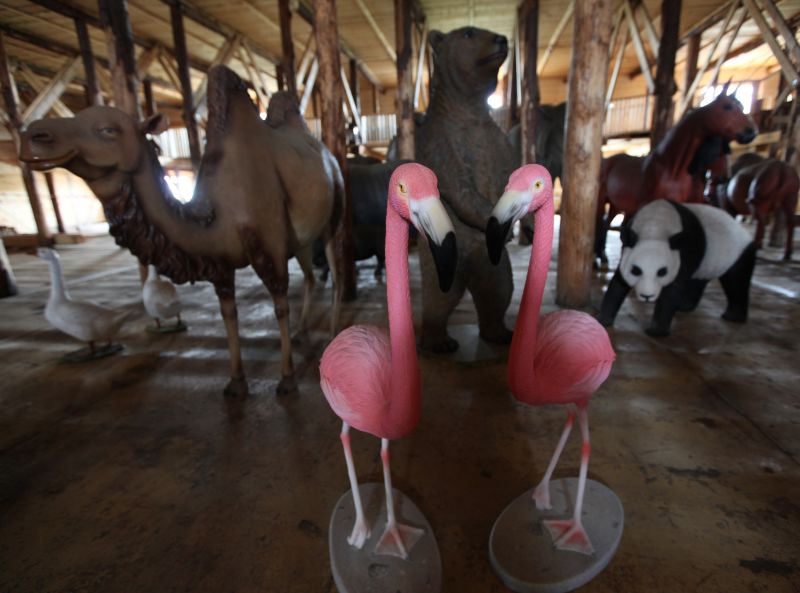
x: 94, y: 144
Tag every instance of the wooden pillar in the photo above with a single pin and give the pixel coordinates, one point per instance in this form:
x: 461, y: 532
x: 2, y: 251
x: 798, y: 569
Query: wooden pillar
x: 529, y: 33
x: 179, y: 42
x: 51, y: 188
x: 14, y: 127
x: 279, y: 78
x: 692, y: 54
x: 355, y: 86
x: 376, y: 104
x: 92, y: 88
x: 582, y: 150
x: 329, y: 85
x: 287, y: 61
x: 121, y: 57
x: 665, y: 70
x: 150, y: 107
x: 513, y: 107
x: 8, y: 284
x: 404, y: 102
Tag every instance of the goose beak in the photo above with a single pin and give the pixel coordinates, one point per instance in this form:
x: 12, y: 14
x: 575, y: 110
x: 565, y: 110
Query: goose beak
x: 431, y: 219
x: 510, y: 208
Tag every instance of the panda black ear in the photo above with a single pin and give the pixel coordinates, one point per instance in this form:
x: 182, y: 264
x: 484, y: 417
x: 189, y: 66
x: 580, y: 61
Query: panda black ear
x: 628, y: 236
x: 677, y: 241
x: 435, y: 38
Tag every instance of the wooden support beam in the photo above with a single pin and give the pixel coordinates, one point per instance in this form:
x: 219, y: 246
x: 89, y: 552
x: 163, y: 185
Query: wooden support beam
x: 9, y: 91
x: 51, y: 188
x: 612, y: 83
x: 287, y: 45
x: 29, y: 76
x: 513, y: 78
x: 783, y: 28
x: 618, y: 17
x: 253, y: 77
x: 418, y: 86
x: 146, y: 59
x: 308, y: 87
x: 726, y: 49
x: 555, y: 37
x: 259, y: 74
x: 179, y: 43
x: 692, y: 53
x: 529, y: 32
x: 355, y: 86
x: 351, y: 101
x: 582, y: 150
x: 92, y: 89
x: 718, y: 14
x: 326, y: 32
x: 224, y: 55
x: 119, y: 40
x: 641, y: 54
x: 377, y: 30
x: 52, y: 92
x: 150, y: 106
x: 167, y: 65
x: 788, y: 69
x: 649, y: 28
x: 8, y: 284
x: 665, y: 70
x: 405, y: 89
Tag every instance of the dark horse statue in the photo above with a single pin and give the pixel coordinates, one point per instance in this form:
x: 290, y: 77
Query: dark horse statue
x: 673, y: 170
x: 760, y: 188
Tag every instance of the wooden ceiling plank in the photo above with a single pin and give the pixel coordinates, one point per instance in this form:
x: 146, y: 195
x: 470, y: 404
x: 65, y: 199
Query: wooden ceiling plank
x: 616, y: 31
x: 44, y: 101
x: 377, y: 30
x: 727, y: 49
x: 245, y: 46
x: 146, y: 59
x: 783, y: 28
x: 37, y: 85
x: 612, y: 83
x: 638, y: 45
x: 565, y: 18
x: 649, y: 28
x: 788, y: 69
x: 253, y: 77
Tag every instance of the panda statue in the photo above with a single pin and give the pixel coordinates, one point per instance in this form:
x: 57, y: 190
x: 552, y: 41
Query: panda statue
x: 669, y: 253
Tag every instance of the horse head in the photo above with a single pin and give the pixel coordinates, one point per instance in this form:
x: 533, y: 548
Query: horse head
x: 725, y: 117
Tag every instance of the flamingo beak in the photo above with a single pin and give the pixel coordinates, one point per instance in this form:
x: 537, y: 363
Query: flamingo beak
x: 431, y: 219
x: 510, y: 208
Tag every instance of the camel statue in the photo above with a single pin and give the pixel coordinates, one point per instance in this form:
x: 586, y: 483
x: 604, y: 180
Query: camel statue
x: 263, y: 195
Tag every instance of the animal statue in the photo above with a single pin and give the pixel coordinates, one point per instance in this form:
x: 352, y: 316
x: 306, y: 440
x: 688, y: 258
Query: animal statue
x: 472, y: 158
x: 263, y: 195
x: 762, y: 189
x: 161, y: 300
x: 371, y: 379
x: 671, y: 170
x: 670, y: 252
x: 84, y: 321
x: 560, y: 358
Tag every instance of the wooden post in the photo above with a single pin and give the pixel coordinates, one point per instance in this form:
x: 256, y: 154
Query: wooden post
x: 51, y: 188
x: 665, y: 70
x: 150, y: 107
x: 582, y: 150
x: 92, y: 89
x: 405, y: 86
x: 287, y: 62
x: 121, y: 57
x: 692, y: 54
x: 513, y: 105
x: 181, y: 56
x: 329, y: 85
x: 9, y: 90
x: 355, y: 86
x: 529, y: 20
x: 8, y: 284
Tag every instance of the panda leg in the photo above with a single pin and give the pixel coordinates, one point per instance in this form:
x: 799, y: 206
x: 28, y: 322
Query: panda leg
x: 667, y: 304
x: 736, y: 284
x: 692, y: 295
x: 612, y: 300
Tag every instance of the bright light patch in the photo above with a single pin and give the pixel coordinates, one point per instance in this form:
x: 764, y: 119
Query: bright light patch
x: 743, y: 93
x: 495, y: 101
x: 181, y: 185
x: 263, y: 115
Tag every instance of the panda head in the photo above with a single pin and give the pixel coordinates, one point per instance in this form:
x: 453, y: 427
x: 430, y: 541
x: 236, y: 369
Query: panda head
x: 648, y: 266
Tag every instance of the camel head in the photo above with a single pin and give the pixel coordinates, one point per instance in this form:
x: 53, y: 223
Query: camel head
x: 102, y: 145
x: 725, y: 117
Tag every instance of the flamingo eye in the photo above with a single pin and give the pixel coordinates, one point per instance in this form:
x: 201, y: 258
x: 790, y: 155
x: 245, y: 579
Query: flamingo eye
x: 402, y: 187
x: 538, y: 184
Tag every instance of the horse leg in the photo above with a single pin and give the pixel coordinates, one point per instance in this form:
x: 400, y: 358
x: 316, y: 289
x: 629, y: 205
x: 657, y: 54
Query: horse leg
x: 789, y: 207
x: 226, y: 293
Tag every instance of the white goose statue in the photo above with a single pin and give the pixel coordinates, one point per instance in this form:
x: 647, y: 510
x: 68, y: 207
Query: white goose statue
x: 82, y: 320
x: 161, y: 300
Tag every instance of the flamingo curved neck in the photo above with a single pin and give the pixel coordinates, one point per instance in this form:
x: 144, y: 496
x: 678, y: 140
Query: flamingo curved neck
x: 523, y: 344
x: 404, y: 382
x: 58, y: 289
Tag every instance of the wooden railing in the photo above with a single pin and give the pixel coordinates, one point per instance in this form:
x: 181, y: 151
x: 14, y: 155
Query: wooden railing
x: 628, y: 116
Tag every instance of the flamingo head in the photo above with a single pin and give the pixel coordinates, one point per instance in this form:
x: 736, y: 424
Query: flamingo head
x: 527, y: 190
x: 414, y: 195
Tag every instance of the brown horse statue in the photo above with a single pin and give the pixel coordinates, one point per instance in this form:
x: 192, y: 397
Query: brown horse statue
x: 761, y: 189
x: 263, y: 195
x: 672, y: 169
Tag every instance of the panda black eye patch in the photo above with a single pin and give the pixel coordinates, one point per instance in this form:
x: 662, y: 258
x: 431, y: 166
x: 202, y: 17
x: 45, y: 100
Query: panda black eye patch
x: 662, y: 272
x: 636, y: 271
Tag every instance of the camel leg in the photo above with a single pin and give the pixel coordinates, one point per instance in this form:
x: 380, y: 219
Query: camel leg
x: 226, y: 293
x: 789, y: 207
x: 287, y: 384
x: 305, y: 260
x: 336, y: 285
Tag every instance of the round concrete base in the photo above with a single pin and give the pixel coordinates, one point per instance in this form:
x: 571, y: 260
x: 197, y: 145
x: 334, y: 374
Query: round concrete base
x: 364, y: 571
x: 521, y: 549
x: 168, y: 329
x: 85, y: 355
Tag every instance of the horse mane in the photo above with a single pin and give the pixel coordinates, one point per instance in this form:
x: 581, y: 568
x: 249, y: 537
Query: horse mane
x: 131, y: 228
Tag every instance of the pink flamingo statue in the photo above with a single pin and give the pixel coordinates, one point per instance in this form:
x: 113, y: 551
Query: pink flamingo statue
x: 371, y: 380
x: 561, y: 358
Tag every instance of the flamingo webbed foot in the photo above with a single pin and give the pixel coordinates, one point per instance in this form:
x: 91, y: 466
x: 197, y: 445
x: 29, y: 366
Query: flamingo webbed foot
x: 398, y: 539
x: 541, y: 496
x: 570, y: 535
x: 360, y: 534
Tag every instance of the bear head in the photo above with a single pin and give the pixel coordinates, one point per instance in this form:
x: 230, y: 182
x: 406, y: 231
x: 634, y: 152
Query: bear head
x: 648, y: 266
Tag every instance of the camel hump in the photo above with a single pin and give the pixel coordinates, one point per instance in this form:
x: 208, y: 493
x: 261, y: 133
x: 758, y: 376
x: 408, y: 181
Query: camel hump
x: 284, y: 109
x: 223, y: 86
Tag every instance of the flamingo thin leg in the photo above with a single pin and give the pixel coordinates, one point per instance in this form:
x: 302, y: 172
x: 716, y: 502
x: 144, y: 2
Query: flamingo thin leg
x: 541, y: 494
x: 569, y: 534
x: 361, y: 530
x: 397, y: 539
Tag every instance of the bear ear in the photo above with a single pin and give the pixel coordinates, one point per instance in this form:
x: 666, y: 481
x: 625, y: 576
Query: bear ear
x: 677, y: 241
x: 628, y: 236
x: 435, y: 38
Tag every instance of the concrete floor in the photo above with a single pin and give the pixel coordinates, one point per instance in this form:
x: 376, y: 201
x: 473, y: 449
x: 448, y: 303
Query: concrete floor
x: 135, y: 474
